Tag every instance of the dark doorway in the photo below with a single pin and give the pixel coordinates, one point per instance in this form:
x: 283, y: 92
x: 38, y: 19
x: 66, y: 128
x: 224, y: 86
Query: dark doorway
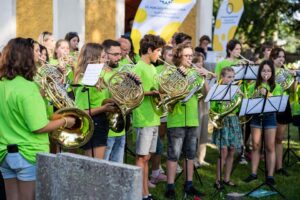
x: 131, y: 7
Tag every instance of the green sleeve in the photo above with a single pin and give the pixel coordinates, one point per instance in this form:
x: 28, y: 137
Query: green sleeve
x: 33, y: 109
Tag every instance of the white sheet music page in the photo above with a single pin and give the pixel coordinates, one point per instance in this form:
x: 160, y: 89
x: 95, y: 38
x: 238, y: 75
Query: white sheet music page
x: 91, y: 74
x: 252, y: 72
x: 221, y: 92
x: 251, y: 106
x: 239, y: 71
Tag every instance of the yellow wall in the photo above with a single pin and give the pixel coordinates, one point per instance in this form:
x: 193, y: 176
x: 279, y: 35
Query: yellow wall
x: 33, y: 17
x: 189, y: 24
x: 100, y: 20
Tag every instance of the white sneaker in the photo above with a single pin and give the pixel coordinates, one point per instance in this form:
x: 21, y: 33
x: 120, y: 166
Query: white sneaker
x: 161, y: 170
x: 243, y: 161
x: 204, y: 163
x: 151, y: 185
x: 178, y: 169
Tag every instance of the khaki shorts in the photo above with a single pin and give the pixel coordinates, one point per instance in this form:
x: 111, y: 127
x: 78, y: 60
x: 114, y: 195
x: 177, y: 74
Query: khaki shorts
x: 146, y: 140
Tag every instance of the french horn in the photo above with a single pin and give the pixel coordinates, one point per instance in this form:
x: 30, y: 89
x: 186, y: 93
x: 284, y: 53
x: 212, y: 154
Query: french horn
x: 284, y: 78
x: 49, y: 79
x: 127, y: 93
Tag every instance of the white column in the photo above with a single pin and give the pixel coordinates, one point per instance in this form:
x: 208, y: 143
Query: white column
x: 120, y: 17
x: 204, y: 18
x: 7, y: 21
x: 69, y: 16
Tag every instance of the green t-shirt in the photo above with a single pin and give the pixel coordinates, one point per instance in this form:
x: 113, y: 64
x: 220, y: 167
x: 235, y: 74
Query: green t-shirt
x: 186, y: 115
x: 144, y: 115
x: 160, y: 68
x: 107, y: 76
x: 22, y: 111
x: 294, y: 99
x: 125, y: 61
x: 277, y: 90
x: 222, y: 64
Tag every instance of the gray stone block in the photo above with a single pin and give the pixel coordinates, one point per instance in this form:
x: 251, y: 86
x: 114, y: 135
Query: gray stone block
x: 81, y: 177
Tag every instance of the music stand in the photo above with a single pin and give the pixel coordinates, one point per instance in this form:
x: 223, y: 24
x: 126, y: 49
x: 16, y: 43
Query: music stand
x: 90, y: 78
x: 243, y: 72
x: 261, y: 106
x: 289, y: 151
x: 221, y: 93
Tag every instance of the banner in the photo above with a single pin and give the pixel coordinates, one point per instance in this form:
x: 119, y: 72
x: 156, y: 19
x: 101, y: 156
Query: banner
x: 228, y: 18
x: 159, y: 17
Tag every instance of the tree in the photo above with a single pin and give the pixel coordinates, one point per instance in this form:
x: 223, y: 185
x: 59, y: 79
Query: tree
x: 267, y: 20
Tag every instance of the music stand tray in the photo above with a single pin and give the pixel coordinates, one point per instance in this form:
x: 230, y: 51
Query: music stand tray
x: 261, y: 106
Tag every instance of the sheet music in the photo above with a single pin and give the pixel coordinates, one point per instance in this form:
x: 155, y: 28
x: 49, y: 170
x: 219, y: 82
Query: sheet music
x: 221, y: 92
x: 255, y: 106
x: 240, y: 71
x: 91, y: 74
x: 284, y: 102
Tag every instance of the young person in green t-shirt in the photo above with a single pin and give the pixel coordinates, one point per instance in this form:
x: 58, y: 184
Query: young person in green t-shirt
x: 182, y: 126
x: 93, y: 53
x: 47, y: 40
x: 265, y: 86
x: 229, y: 137
x: 233, y: 51
x: 277, y: 56
x: 157, y: 174
x: 145, y: 119
x: 24, y: 122
x: 115, y: 141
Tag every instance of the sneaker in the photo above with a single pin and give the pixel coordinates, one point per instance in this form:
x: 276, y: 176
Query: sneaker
x: 151, y: 185
x: 170, y: 194
x: 283, y: 172
x: 270, y: 181
x: 243, y: 161
x: 250, y: 178
x: 160, y: 178
x: 161, y: 170
x: 150, y: 197
x: 204, y: 163
x: 193, y: 192
x: 178, y: 169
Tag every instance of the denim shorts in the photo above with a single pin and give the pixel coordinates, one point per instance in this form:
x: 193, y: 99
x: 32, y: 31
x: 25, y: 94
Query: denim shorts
x: 182, y: 138
x: 268, y: 120
x: 14, y: 165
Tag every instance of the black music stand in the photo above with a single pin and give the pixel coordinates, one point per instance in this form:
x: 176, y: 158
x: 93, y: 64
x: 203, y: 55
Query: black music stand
x: 289, y: 151
x: 261, y: 106
x: 244, y: 72
x: 221, y: 93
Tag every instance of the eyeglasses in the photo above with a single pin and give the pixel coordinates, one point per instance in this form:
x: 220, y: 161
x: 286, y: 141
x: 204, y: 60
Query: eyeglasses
x: 114, y: 54
x: 188, y: 56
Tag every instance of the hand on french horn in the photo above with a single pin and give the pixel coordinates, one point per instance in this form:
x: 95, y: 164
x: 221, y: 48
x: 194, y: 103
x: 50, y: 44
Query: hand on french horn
x: 263, y: 91
x: 135, y: 78
x: 69, y: 121
x: 109, y: 105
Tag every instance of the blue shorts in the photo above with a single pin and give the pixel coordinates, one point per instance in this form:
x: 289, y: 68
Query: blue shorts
x: 268, y: 121
x: 15, y: 166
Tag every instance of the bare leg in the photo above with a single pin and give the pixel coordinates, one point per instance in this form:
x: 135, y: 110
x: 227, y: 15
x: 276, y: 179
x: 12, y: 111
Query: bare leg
x: 279, y: 147
x: 142, y: 161
x: 27, y: 190
x: 256, y: 145
x: 99, y: 152
x: 224, y: 153
x: 171, y: 171
x: 11, y: 189
x: 228, y: 165
x: 270, y: 150
x: 190, y: 170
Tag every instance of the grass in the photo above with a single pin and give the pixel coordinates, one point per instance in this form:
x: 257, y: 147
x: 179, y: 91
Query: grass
x: 289, y: 186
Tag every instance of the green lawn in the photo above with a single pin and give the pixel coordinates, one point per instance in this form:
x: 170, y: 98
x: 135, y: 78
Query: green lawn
x: 289, y: 186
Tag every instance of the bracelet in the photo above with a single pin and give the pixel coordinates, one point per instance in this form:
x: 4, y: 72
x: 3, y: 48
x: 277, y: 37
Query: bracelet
x: 65, y: 124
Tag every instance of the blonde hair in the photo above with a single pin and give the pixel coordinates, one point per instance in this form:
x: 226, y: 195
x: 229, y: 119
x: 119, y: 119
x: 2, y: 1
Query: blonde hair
x: 44, y: 37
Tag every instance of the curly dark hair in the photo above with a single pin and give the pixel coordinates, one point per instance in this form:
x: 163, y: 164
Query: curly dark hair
x: 177, y: 53
x: 275, y: 53
x: 151, y: 41
x: 18, y: 59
